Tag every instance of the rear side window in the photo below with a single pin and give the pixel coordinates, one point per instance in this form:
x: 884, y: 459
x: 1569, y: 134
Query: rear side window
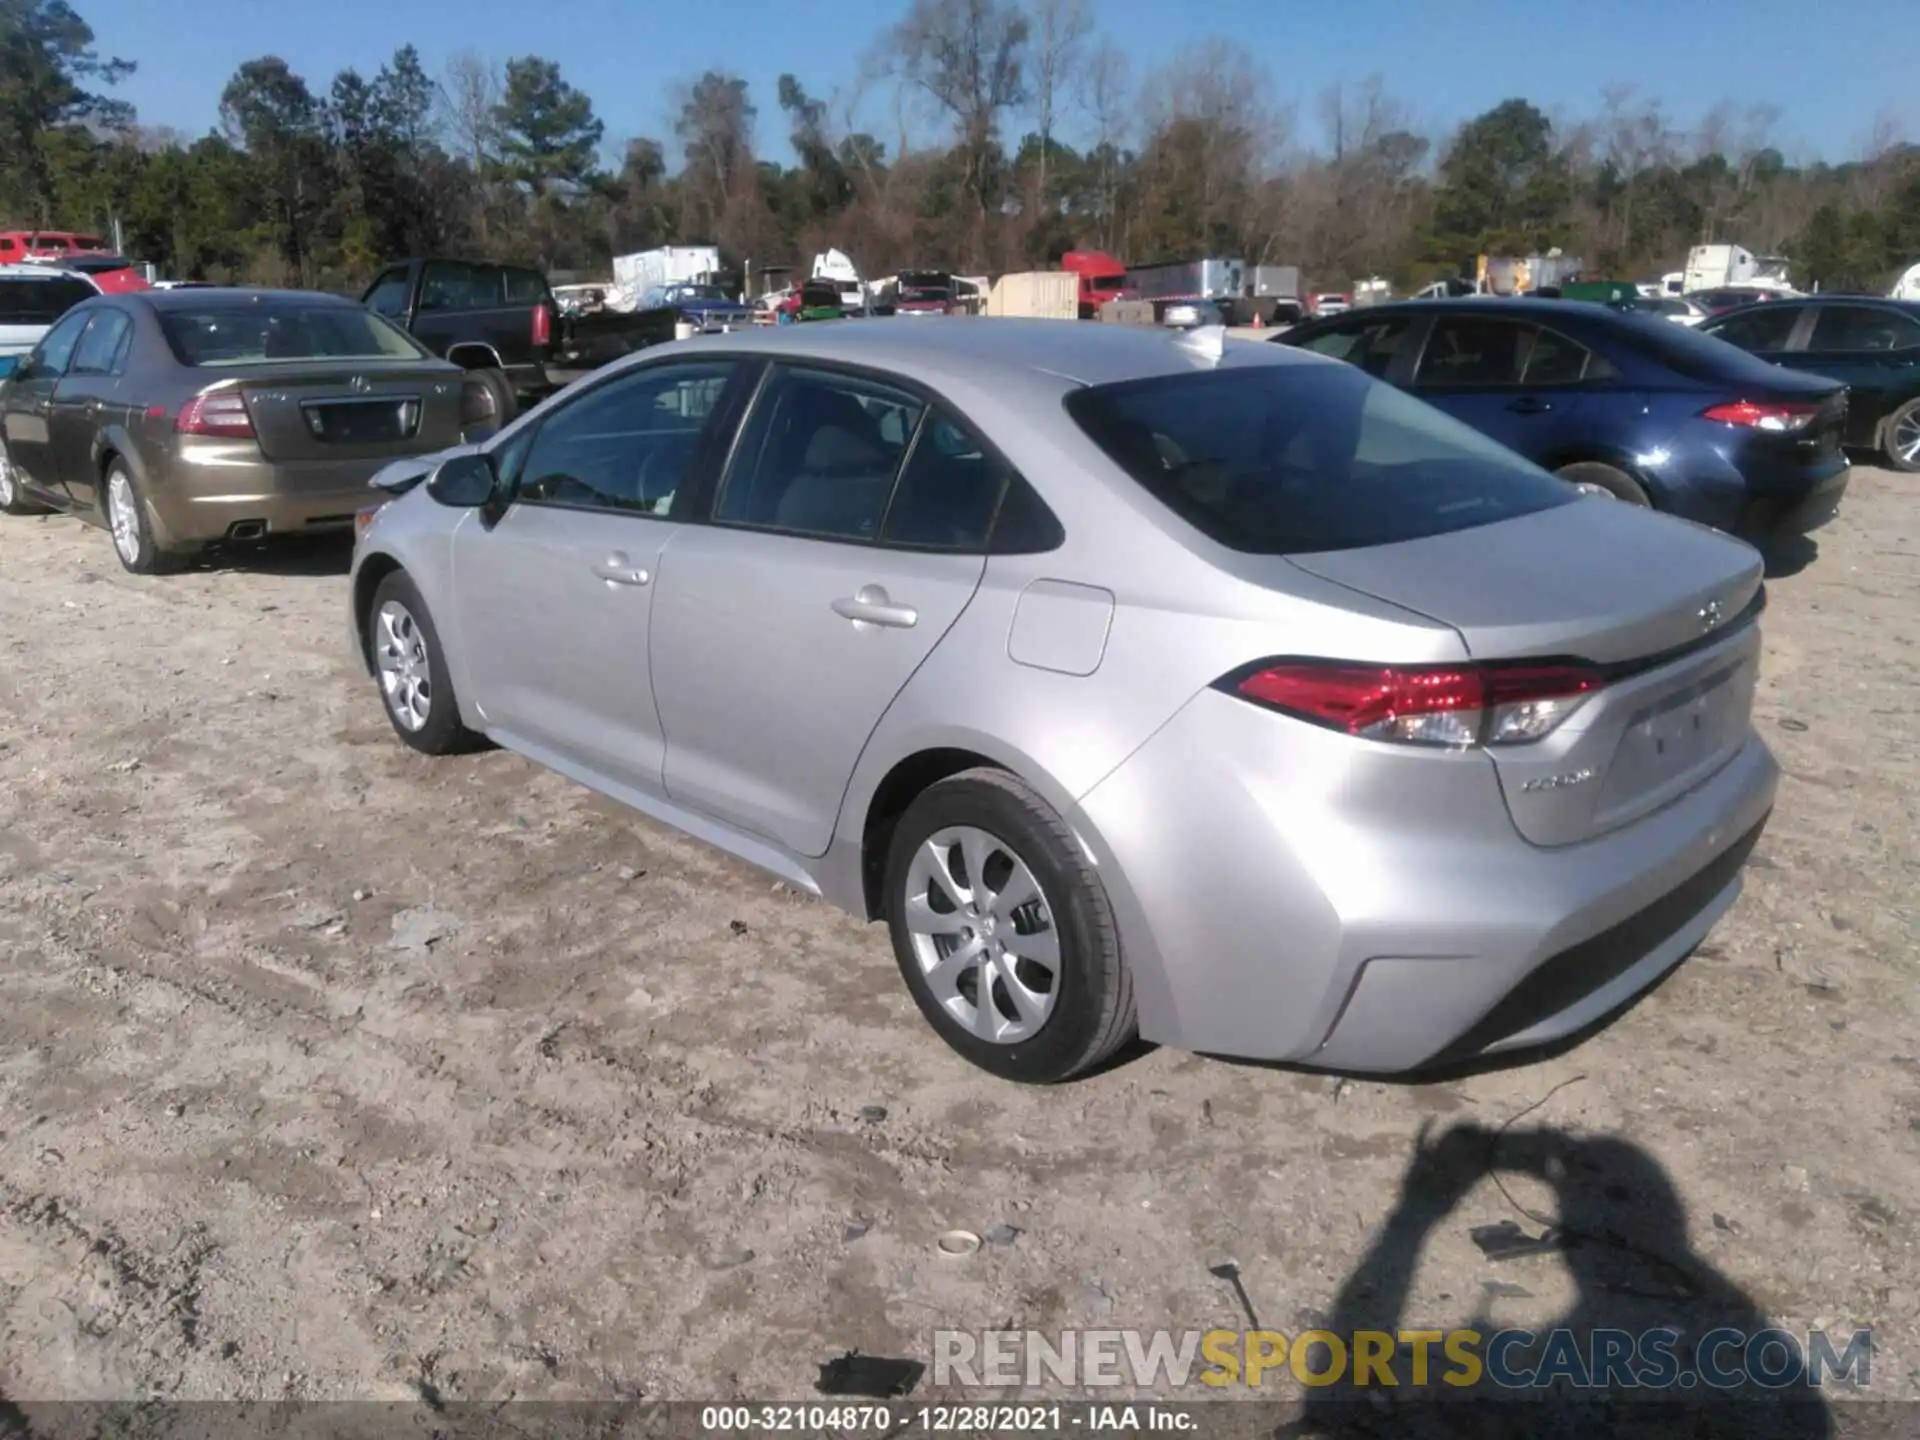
x: 1764, y: 327
x: 455, y: 285
x: 100, y: 349
x: 1290, y: 459
x: 947, y: 494
x: 1862, y: 327
x: 1472, y: 350
x: 389, y: 294
x: 819, y: 455
x: 40, y: 302
x: 525, y: 287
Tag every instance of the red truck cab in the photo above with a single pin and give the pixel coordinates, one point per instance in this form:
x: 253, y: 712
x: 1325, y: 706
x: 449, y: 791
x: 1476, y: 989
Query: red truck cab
x: 1102, y: 278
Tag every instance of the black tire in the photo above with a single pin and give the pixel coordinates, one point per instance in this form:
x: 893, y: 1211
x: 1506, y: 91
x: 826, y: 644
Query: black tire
x: 13, y: 495
x: 1616, y: 483
x: 139, y: 553
x: 1906, y: 418
x: 440, y: 732
x: 1093, y: 1012
x: 506, y: 404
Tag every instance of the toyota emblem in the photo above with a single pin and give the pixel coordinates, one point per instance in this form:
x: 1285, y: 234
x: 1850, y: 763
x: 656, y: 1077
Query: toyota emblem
x: 1710, y: 615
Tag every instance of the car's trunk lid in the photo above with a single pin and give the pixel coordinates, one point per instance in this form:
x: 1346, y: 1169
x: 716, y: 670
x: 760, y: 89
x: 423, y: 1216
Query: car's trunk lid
x: 340, y: 411
x: 1663, y: 608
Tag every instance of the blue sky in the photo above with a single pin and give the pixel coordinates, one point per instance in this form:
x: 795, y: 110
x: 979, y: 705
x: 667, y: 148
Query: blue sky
x: 1833, y: 71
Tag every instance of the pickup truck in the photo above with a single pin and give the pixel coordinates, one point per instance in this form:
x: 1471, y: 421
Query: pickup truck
x: 32, y: 297
x: 502, y: 322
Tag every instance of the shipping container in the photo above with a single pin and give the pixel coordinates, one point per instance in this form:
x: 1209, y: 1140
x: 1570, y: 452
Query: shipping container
x: 1040, y: 294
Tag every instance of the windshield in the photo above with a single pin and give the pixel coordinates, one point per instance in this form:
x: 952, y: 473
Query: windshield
x: 1290, y: 459
x: 265, y: 334
x: 684, y: 293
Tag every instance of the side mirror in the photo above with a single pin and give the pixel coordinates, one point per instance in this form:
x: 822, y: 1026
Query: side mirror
x: 464, y: 482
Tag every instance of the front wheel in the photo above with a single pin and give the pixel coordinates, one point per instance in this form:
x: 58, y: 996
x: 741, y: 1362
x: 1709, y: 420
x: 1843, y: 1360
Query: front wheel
x: 415, y: 687
x: 13, y: 499
x: 1902, y: 445
x: 1004, y: 933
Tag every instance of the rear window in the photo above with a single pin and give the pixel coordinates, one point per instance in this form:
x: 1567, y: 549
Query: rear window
x: 1294, y: 459
x: 40, y: 302
x: 257, y: 334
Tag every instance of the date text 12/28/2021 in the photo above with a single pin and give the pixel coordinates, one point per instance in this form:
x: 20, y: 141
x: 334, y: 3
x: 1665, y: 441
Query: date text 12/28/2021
x: 941, y: 1419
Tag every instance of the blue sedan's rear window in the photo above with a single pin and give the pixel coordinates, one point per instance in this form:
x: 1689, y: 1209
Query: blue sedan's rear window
x: 1297, y: 458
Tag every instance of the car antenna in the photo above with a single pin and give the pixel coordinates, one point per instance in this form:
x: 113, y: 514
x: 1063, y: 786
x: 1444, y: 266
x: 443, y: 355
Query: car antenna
x: 1209, y: 342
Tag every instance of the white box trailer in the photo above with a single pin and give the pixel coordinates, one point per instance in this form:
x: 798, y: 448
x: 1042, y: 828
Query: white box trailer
x: 634, y: 275
x: 1039, y: 294
x: 1709, y: 267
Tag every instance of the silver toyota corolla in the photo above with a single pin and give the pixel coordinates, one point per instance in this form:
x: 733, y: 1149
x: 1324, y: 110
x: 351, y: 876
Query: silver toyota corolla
x: 1140, y: 683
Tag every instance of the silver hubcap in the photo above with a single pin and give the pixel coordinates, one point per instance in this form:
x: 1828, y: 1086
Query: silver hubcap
x: 1906, y: 437
x: 123, y: 517
x: 983, y: 935
x: 405, y: 677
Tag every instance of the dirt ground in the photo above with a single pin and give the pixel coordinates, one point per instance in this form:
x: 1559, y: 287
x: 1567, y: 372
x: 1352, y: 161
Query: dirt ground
x: 327, y: 1070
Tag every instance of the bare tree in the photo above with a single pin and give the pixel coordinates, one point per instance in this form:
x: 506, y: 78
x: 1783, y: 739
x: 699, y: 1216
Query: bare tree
x: 969, y: 55
x: 1106, y: 94
x: 470, y: 95
x: 1060, y: 31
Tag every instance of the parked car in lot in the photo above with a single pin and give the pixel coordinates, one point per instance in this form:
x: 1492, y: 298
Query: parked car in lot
x: 1730, y: 297
x: 182, y: 418
x: 502, y: 323
x: 1869, y: 344
x: 707, y: 308
x: 1620, y: 404
x: 32, y: 297
x: 111, y: 274
x: 1226, y: 694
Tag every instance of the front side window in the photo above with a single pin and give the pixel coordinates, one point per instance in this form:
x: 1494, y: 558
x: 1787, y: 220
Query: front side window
x: 626, y: 446
x: 389, y: 294
x: 819, y: 455
x: 1295, y: 458
x: 55, y: 349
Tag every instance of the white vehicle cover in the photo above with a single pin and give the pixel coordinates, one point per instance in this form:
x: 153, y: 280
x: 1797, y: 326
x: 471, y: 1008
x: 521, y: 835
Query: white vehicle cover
x: 1907, y: 287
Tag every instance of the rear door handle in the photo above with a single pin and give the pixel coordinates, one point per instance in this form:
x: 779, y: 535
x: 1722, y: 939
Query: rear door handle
x: 1529, y: 405
x: 617, y: 569
x: 871, y: 605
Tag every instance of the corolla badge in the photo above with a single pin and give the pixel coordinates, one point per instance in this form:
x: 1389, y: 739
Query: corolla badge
x: 1557, y: 782
x: 1710, y: 615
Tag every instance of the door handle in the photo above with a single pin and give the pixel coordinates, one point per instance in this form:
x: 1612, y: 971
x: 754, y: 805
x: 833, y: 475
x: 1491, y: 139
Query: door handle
x: 870, y: 605
x: 1528, y: 405
x: 616, y: 569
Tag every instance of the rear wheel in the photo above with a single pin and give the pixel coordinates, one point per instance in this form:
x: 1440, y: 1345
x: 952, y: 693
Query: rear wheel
x: 1604, y: 482
x: 415, y: 687
x: 505, y: 403
x: 1901, y: 447
x: 127, y: 519
x: 1004, y: 933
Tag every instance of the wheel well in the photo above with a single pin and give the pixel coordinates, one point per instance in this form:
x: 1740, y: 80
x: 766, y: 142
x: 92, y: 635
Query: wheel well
x: 376, y: 568
x: 472, y: 356
x: 901, y: 787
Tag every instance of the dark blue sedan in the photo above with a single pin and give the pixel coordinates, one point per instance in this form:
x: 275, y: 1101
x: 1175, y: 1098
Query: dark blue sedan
x: 1618, y: 403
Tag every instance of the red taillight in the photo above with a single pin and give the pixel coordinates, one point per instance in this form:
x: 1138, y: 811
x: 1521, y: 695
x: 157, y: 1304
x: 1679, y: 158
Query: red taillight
x: 218, y: 412
x: 542, y: 325
x: 1424, y: 704
x: 1778, y: 416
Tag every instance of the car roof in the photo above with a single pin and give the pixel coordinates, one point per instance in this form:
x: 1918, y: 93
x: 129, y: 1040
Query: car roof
x: 31, y: 271
x: 197, y: 296
x: 977, y: 349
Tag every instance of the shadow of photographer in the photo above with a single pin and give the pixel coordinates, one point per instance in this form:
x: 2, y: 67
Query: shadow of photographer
x: 1620, y: 1228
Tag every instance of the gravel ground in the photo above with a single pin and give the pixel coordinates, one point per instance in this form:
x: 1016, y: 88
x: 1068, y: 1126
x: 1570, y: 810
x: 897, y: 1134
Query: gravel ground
x: 327, y: 1070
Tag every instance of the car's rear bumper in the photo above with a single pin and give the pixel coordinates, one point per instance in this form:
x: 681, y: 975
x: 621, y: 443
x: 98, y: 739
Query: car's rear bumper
x: 1782, y: 515
x: 224, y: 491
x: 1305, y: 897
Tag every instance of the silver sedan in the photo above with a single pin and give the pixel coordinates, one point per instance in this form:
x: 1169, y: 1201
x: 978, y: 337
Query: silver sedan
x: 1140, y: 683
